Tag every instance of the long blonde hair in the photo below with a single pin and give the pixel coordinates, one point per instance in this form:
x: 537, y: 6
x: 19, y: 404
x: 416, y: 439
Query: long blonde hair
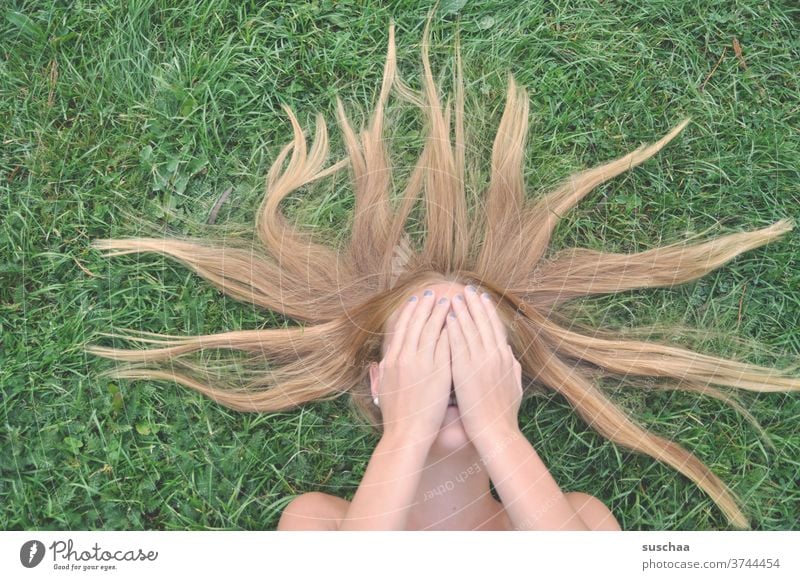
x: 346, y: 295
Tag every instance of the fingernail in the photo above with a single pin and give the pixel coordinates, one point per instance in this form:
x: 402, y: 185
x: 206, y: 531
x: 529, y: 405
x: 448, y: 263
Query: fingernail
x: 412, y: 299
x: 459, y: 297
x: 443, y: 300
x: 471, y: 289
x: 485, y: 296
x: 428, y: 293
x: 452, y: 315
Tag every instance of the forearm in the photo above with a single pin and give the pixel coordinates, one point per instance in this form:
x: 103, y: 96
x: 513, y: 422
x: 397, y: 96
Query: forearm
x: 383, y: 499
x: 531, y: 497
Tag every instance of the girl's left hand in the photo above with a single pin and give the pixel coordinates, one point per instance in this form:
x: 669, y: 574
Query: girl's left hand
x: 486, y: 375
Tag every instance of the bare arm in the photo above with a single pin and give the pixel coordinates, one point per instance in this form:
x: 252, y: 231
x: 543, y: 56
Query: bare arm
x: 412, y: 386
x: 488, y: 381
x: 384, y: 497
x: 530, y: 495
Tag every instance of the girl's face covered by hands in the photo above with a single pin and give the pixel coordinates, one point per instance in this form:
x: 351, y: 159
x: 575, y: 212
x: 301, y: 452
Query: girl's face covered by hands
x: 452, y: 433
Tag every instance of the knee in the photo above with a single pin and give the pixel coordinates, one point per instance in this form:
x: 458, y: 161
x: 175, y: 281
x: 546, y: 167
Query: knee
x: 593, y: 512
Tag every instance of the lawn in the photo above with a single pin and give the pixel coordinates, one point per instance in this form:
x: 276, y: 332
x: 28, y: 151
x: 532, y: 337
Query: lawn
x: 134, y: 120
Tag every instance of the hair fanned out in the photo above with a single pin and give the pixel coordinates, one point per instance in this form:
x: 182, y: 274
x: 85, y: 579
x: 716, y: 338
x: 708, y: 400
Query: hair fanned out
x: 346, y: 296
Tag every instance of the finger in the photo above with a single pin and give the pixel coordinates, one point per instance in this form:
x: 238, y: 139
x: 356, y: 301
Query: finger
x: 498, y: 328
x: 433, y: 327
x: 417, y: 322
x: 459, y: 352
x: 400, y: 327
x: 469, y: 331
x: 481, y: 318
x: 442, y: 354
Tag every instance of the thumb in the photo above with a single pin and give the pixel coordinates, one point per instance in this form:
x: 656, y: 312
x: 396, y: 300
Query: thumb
x: 517, y: 369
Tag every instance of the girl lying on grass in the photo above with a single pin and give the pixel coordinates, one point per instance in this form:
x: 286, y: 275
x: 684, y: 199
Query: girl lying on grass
x: 449, y: 389
x: 435, y: 367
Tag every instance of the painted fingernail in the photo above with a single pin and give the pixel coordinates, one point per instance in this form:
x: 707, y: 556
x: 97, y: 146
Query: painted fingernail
x: 459, y: 297
x: 471, y: 289
x: 443, y: 300
x: 452, y: 315
x: 412, y: 299
x: 428, y: 293
x: 485, y: 296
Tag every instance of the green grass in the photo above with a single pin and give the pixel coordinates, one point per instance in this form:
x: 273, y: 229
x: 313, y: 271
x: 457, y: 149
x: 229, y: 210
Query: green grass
x: 112, y: 117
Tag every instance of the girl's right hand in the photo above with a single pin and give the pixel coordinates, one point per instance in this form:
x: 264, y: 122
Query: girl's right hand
x: 414, y: 378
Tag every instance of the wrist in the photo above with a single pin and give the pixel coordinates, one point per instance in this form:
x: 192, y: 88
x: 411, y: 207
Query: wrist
x: 492, y: 441
x: 406, y: 440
